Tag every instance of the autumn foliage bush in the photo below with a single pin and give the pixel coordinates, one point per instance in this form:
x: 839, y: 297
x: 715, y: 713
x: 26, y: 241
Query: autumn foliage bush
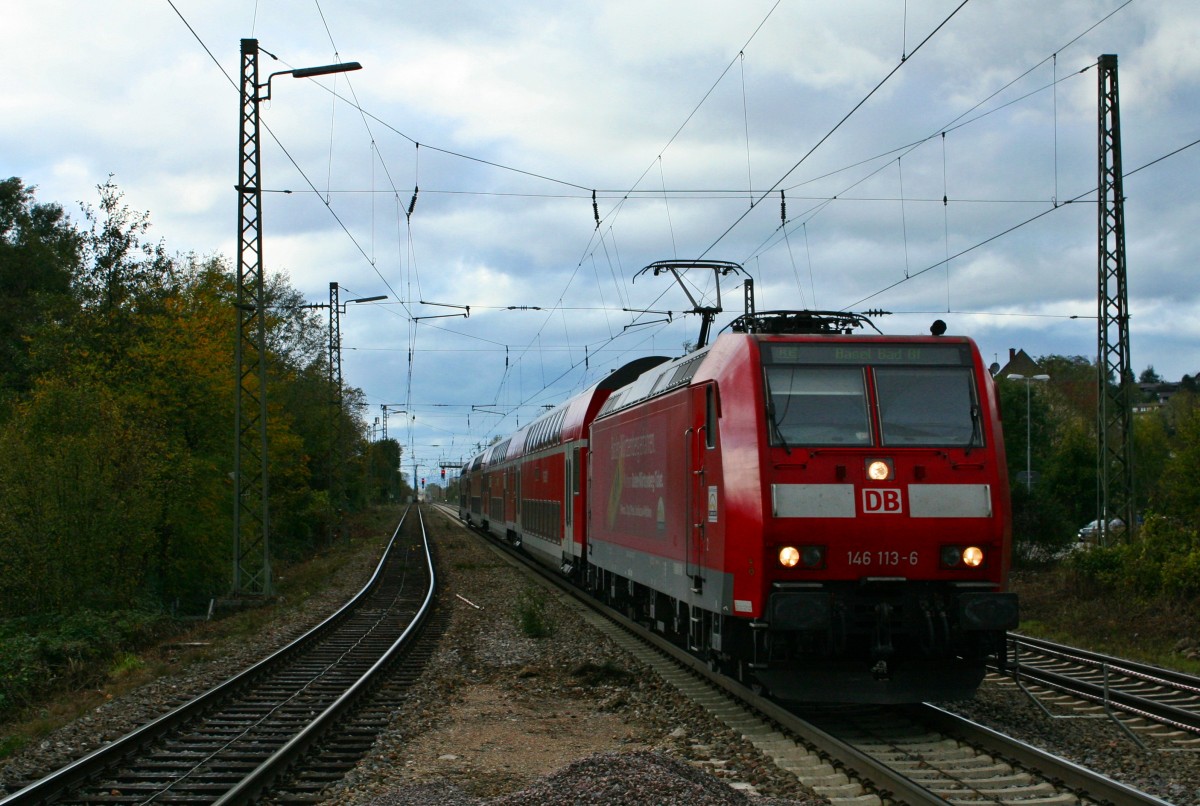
x: 117, y: 395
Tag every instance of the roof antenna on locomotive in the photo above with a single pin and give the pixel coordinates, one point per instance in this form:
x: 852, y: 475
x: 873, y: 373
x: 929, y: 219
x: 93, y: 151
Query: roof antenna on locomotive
x: 938, y: 327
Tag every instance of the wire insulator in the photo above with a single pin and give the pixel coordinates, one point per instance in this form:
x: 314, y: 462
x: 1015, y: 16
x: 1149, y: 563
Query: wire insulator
x: 595, y: 209
x: 782, y: 208
x: 412, y: 205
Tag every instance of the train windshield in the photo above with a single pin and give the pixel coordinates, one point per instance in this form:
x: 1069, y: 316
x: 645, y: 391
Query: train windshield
x: 933, y: 406
x: 817, y: 394
x: 818, y: 406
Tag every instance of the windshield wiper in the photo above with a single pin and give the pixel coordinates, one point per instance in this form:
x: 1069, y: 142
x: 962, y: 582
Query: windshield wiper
x: 776, y: 431
x: 976, y: 432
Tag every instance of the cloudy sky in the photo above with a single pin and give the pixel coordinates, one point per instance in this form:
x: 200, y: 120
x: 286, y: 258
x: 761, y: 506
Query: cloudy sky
x: 812, y: 142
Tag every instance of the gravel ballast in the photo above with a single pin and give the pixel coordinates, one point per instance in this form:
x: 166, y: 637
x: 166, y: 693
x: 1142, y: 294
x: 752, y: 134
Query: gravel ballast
x: 500, y: 718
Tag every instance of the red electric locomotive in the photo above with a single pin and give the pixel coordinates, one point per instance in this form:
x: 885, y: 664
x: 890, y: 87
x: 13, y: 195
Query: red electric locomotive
x: 820, y: 514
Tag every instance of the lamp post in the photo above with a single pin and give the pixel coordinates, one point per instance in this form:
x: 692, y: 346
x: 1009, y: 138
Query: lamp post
x: 1028, y: 425
x: 395, y: 409
x: 336, y: 309
x: 251, y: 546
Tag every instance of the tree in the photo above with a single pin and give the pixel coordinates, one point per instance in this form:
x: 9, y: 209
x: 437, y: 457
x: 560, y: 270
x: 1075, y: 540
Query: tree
x: 116, y: 442
x: 384, y: 482
x: 1031, y: 418
x: 77, y: 478
x: 120, y: 270
x: 1073, y: 379
x: 1152, y: 449
x: 1070, y: 475
x: 39, y: 251
x: 1179, y: 495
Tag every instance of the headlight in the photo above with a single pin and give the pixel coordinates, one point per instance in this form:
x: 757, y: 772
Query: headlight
x: 879, y: 469
x: 805, y: 556
x: 958, y: 556
x: 814, y: 557
x: 789, y: 556
x: 973, y: 556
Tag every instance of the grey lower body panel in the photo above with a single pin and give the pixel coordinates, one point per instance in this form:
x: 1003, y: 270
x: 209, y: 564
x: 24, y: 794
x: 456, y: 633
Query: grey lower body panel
x: 666, y: 575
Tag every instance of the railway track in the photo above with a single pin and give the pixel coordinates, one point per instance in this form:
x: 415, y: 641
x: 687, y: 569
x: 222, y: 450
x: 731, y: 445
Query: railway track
x: 329, y: 689
x: 860, y: 755
x: 1156, y: 707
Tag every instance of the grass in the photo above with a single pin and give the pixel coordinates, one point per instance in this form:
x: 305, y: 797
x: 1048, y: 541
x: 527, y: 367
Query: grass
x: 126, y: 665
x: 1157, y: 630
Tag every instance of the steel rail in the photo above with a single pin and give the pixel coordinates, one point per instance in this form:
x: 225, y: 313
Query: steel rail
x: 1146, y: 671
x: 254, y: 784
x: 872, y: 772
x: 1091, y: 785
x: 1111, y: 694
x: 51, y: 787
x: 892, y: 785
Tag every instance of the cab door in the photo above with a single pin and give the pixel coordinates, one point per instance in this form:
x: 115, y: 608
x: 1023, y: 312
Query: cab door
x: 702, y: 490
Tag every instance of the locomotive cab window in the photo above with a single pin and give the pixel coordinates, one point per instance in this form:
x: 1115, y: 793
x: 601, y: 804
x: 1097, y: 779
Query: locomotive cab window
x: 922, y: 395
x: 933, y: 406
x: 817, y: 405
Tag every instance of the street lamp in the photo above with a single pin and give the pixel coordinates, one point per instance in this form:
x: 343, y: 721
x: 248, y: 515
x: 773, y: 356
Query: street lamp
x: 251, y: 547
x: 309, y: 72
x: 336, y: 309
x: 1028, y: 425
x: 395, y: 409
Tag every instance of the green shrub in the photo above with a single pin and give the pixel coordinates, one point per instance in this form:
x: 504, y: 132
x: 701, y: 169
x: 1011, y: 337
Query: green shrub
x: 532, y: 617
x: 23, y: 670
x: 1175, y: 547
x: 1098, y: 568
x: 40, y: 655
x: 1181, y: 579
x: 1163, y: 558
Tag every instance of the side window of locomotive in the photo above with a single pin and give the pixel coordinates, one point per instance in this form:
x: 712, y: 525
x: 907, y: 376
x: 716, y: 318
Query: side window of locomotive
x: 927, y: 406
x: 817, y: 405
x: 710, y: 416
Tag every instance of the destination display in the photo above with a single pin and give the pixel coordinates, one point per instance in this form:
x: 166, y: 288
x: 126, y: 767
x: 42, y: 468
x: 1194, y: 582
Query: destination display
x: 945, y: 355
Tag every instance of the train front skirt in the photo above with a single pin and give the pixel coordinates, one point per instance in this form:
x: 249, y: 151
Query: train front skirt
x: 916, y: 680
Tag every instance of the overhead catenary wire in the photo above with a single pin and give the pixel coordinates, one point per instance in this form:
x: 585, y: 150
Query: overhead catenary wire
x: 959, y: 122
x: 1008, y: 230
x: 839, y: 124
x: 606, y: 235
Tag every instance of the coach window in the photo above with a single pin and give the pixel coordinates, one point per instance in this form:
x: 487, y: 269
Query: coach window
x: 575, y: 471
x: 810, y: 405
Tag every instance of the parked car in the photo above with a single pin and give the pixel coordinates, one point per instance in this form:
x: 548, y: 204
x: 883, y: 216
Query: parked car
x: 1091, y: 531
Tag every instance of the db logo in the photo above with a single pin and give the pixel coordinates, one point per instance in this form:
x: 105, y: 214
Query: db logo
x: 882, y: 501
